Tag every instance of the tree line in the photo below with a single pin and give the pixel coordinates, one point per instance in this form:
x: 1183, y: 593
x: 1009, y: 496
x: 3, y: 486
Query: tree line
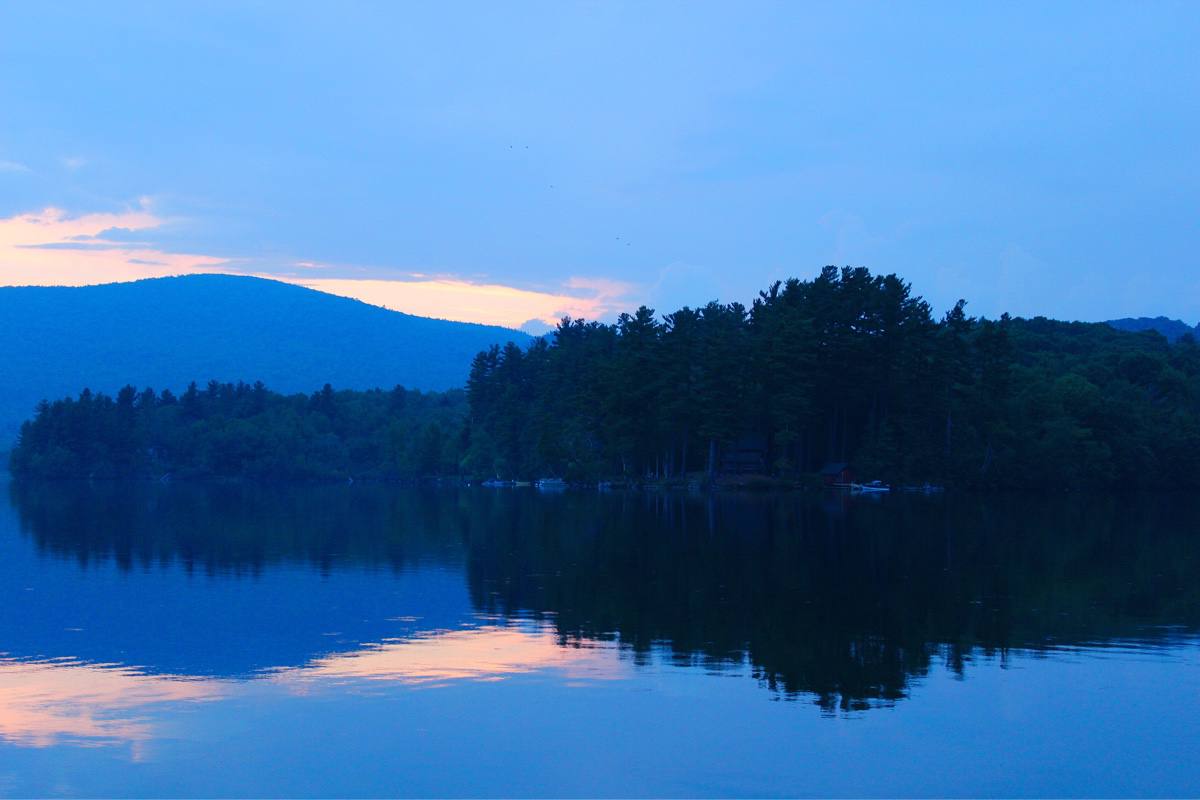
x: 848, y: 367
x: 245, y: 431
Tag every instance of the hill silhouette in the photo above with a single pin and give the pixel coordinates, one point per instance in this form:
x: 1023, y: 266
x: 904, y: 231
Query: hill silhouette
x: 166, y: 332
x: 1173, y: 329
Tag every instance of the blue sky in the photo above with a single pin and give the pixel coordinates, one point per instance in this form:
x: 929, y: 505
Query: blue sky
x: 516, y: 161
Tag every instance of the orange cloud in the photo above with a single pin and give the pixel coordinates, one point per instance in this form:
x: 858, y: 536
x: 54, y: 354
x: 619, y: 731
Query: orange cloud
x: 53, y: 248
x: 491, y: 303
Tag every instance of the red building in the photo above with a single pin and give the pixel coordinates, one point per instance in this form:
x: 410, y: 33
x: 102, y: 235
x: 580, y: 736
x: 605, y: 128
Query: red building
x: 836, y: 472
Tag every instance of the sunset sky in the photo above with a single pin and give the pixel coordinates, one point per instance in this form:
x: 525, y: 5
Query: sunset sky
x: 509, y: 163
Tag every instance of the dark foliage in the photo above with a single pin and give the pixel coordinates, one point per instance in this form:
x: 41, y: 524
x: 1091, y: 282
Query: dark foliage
x: 847, y: 603
x: 241, y: 431
x: 845, y: 367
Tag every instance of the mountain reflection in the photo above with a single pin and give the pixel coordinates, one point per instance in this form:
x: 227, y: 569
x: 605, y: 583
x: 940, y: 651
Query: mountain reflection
x: 845, y: 603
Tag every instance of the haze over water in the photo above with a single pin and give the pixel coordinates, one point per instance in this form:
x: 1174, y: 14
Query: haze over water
x: 371, y: 640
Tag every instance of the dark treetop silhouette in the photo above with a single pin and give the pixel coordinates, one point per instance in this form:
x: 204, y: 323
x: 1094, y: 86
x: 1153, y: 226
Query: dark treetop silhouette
x: 848, y: 367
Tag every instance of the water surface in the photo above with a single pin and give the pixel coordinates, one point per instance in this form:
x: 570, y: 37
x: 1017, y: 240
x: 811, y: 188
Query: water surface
x: 364, y: 641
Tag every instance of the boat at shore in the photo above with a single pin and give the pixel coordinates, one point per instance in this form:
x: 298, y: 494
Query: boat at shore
x: 927, y: 488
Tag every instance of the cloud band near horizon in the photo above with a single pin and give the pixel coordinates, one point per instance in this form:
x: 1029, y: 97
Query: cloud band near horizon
x: 53, y: 248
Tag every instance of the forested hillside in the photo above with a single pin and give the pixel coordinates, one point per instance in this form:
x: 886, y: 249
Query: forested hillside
x: 848, y: 367
x: 168, y: 332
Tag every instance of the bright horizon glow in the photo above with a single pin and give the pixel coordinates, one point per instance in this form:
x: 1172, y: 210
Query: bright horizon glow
x: 52, y: 248
x: 462, y: 301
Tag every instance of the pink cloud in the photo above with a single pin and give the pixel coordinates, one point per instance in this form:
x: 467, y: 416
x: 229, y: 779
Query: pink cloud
x: 53, y: 248
x: 491, y: 303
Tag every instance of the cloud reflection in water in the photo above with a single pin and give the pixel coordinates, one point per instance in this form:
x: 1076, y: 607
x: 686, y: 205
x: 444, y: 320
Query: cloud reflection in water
x: 63, y: 701
x: 44, y: 703
x: 488, y: 652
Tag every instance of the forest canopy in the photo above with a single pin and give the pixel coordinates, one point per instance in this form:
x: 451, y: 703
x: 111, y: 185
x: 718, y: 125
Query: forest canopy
x: 244, y: 431
x: 847, y: 368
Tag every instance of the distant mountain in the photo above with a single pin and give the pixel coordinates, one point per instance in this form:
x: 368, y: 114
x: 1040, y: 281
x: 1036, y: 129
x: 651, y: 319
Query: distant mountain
x: 167, y: 332
x: 1170, y: 328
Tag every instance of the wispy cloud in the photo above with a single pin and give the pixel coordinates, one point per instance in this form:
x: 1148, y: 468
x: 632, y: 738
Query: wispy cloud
x: 12, y: 166
x: 73, y: 162
x: 54, y: 248
x: 492, y: 303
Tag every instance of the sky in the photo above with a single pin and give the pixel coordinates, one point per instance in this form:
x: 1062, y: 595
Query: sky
x: 511, y: 163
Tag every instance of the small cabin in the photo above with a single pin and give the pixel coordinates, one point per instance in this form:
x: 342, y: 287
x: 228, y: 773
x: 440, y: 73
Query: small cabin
x: 836, y: 472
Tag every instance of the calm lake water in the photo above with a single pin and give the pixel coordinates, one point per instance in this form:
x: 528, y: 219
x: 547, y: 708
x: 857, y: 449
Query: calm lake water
x: 352, y: 641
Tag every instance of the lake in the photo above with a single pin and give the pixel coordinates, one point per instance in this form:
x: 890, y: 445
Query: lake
x: 222, y: 640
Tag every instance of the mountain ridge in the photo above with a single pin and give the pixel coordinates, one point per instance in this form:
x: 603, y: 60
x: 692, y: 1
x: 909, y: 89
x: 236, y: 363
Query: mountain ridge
x: 167, y: 332
x: 1172, y: 329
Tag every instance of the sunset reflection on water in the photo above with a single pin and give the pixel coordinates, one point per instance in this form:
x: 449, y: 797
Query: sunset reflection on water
x: 63, y: 701
x: 489, y: 652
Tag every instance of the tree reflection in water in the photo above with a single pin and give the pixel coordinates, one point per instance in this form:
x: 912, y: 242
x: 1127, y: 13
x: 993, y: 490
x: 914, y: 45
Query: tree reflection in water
x: 844, y: 602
